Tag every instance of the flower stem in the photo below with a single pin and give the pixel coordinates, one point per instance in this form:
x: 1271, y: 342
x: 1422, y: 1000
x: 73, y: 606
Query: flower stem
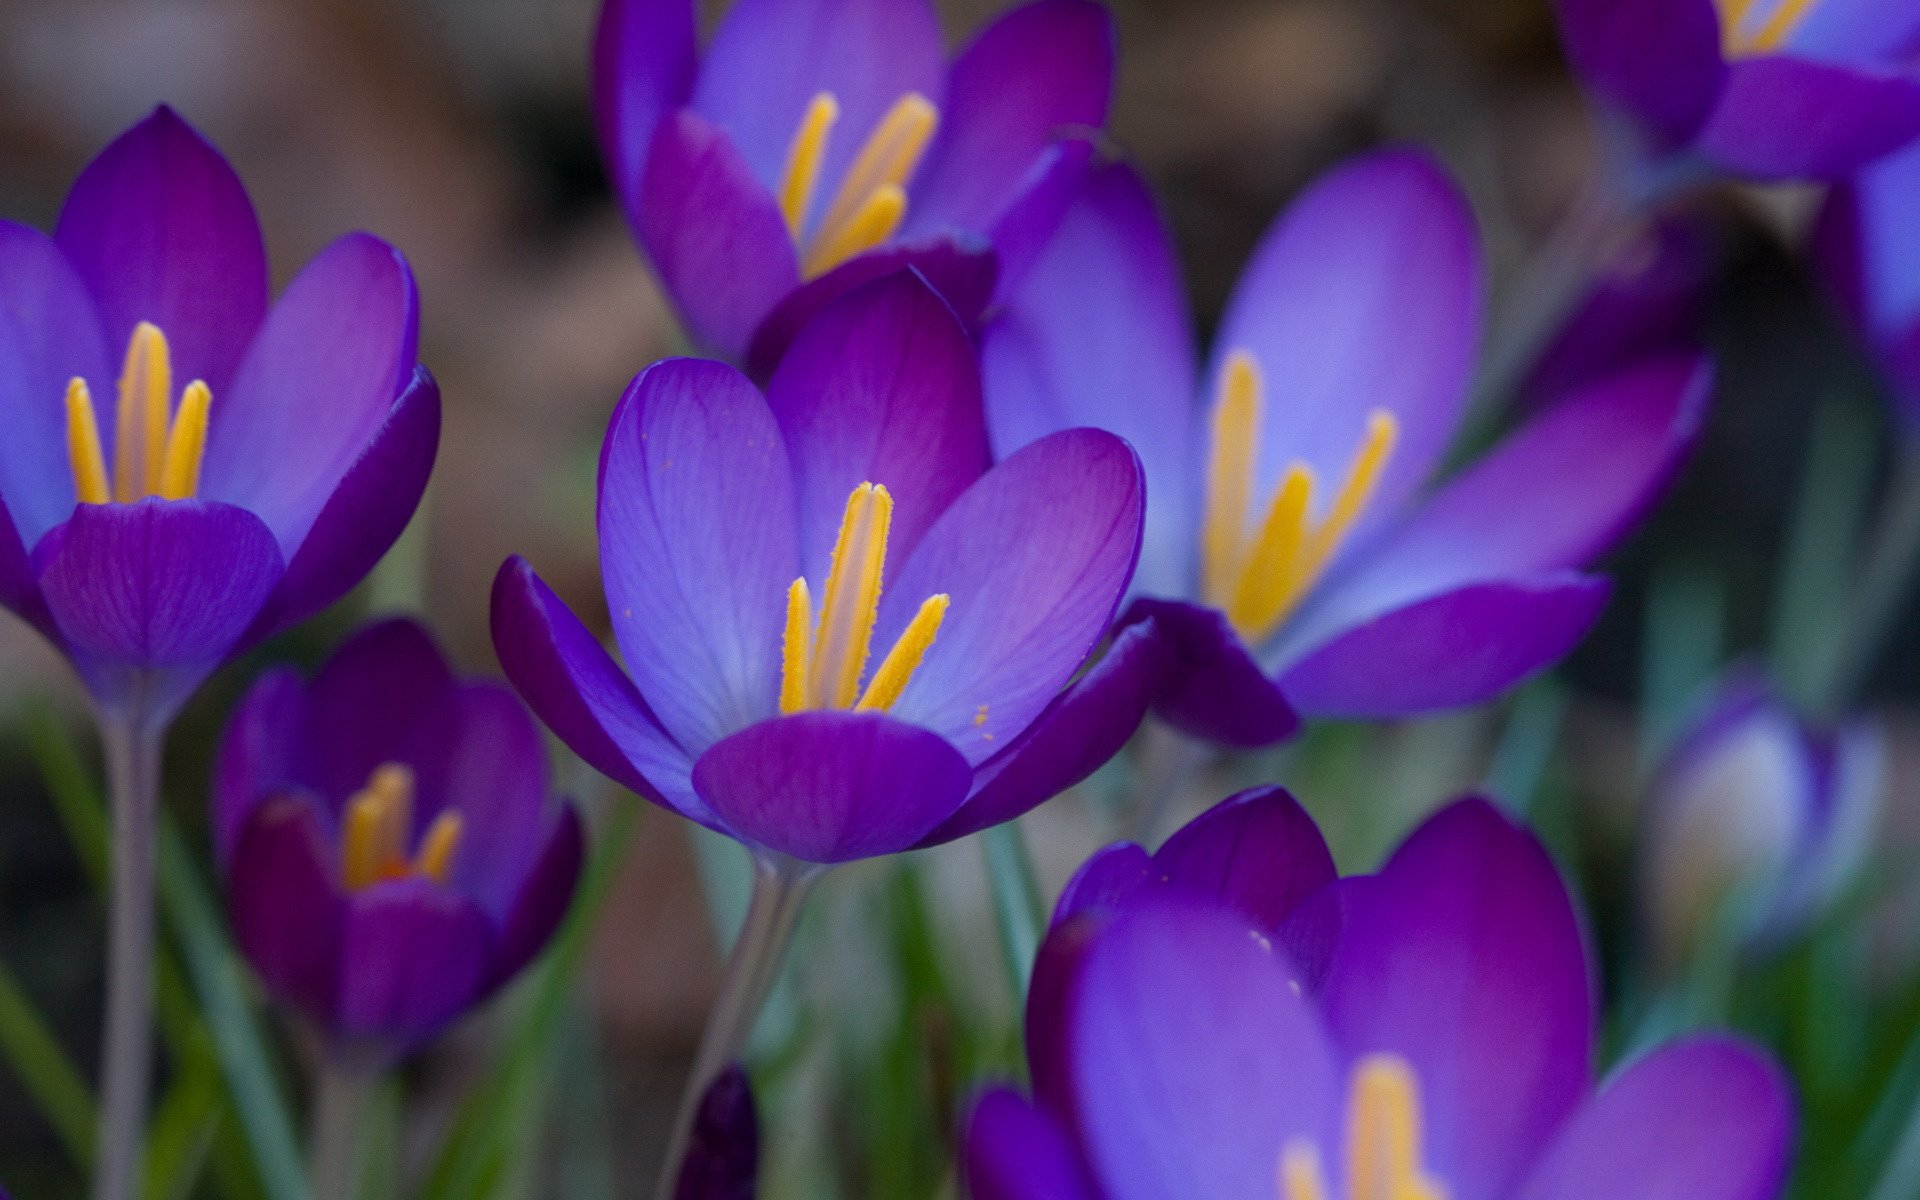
x: 1885, y: 580
x: 339, y: 1102
x: 133, y: 750
x: 780, y: 890
x: 1169, y: 760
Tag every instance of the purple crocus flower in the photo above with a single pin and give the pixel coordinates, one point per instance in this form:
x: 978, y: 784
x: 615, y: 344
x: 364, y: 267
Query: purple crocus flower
x: 1424, y: 1032
x: 819, y: 144
x: 1758, y: 806
x: 391, y: 846
x: 189, y: 470
x: 1295, y: 558
x: 723, y: 1155
x: 1762, y: 89
x: 772, y: 690
x: 1866, y: 249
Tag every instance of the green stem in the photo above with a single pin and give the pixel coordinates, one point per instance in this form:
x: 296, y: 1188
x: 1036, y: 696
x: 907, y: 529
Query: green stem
x: 341, y: 1091
x: 1885, y: 580
x: 1017, y: 907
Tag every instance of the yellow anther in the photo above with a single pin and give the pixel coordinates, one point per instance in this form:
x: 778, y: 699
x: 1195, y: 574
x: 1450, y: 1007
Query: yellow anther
x: 83, y: 447
x: 802, y: 177
x: 1363, y: 476
x: 1300, y: 1176
x: 373, y: 839
x: 796, y: 646
x: 901, y: 661
x: 851, y: 603
x: 1236, y: 432
x: 437, y: 848
x: 1786, y: 19
x: 140, y: 425
x: 179, y: 474
x: 1384, y: 1155
x: 1276, y: 572
x: 874, y: 222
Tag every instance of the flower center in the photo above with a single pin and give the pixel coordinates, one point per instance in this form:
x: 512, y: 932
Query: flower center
x: 1257, y: 578
x: 872, y: 200
x: 1383, y: 1141
x: 156, y: 448
x: 379, y: 820
x: 821, y: 668
x: 1750, y: 27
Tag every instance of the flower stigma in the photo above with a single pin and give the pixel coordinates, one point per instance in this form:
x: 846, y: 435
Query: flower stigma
x: 1383, y: 1141
x: 1746, y: 31
x: 1258, y: 580
x: 872, y: 200
x: 377, y: 826
x: 157, y: 448
x: 821, y: 663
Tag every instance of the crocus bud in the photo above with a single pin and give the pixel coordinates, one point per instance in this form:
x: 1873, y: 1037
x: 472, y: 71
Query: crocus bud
x: 1758, y: 809
x: 723, y: 1157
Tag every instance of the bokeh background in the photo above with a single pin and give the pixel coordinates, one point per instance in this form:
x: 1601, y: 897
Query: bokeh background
x: 459, y: 130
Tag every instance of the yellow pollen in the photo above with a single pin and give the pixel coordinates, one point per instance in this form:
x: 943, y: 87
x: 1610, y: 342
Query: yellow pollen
x: 377, y: 826
x: 1383, y: 1150
x: 824, y: 670
x: 1781, y: 24
x: 1258, y: 581
x: 156, y: 452
x: 872, y: 200
x: 437, y: 848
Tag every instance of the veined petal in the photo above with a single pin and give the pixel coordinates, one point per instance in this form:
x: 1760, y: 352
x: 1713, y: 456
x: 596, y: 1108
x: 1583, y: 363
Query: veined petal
x: 1783, y: 117
x: 413, y: 957
x: 161, y: 229
x: 284, y: 904
x: 644, y: 57
x: 1012, y: 1150
x: 1669, y: 82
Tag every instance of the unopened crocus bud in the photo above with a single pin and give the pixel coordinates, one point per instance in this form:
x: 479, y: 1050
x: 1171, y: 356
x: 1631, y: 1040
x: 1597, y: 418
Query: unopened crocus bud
x: 723, y: 1155
x: 1758, y: 818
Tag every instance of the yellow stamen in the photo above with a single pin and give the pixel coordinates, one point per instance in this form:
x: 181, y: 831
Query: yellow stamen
x: 901, y: 661
x: 1384, y: 1156
x: 83, y: 447
x: 435, y: 860
x: 1785, y: 20
x: 872, y: 199
x: 1275, y: 574
x: 796, y: 644
x: 852, y: 599
x: 1300, y: 1177
x: 1383, y: 431
x: 373, y: 842
x: 1236, y: 430
x: 186, y: 445
x: 802, y: 177
x: 140, y: 425
x: 873, y: 224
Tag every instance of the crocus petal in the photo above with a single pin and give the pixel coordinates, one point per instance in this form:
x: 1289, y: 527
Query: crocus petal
x: 698, y: 546
x: 1040, y: 201
x: 1783, y: 117
x: 1704, y: 1119
x: 1051, y: 996
x: 413, y: 956
x: 1014, y: 1151
x: 1035, y: 557
x: 284, y: 904
x: 1074, y: 737
x: 830, y: 787
x: 1040, y: 70
x: 1259, y: 851
x: 1669, y: 82
x: 315, y: 388
x: 166, y: 586
x: 770, y: 58
x: 1104, y: 882
x: 644, y: 56
x: 365, y: 515
x: 161, y: 229
x: 1098, y: 334
x: 1211, y: 687
x: 723, y: 1153
x: 1857, y: 31
x: 257, y: 755
x: 882, y: 387
x: 494, y: 766
x: 544, y: 897
x: 385, y: 696
x: 713, y: 232
x: 1866, y: 247
x: 963, y: 270
x: 49, y: 334
x: 1365, y: 295
x: 1196, y: 1060
x: 565, y: 676
x: 1465, y: 958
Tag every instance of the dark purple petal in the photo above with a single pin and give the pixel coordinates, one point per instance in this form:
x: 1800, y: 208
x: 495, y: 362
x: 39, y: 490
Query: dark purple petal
x: 1460, y: 647
x: 1195, y: 1059
x: 494, y: 774
x: 285, y: 905
x: 1011, y: 1150
x: 723, y: 1155
x: 366, y: 513
x: 882, y: 387
x: 1040, y: 201
x: 644, y: 56
x: 1041, y: 70
x: 963, y: 270
x: 713, y: 233
x: 544, y: 898
x: 770, y: 58
x: 413, y: 957
x: 258, y: 755
x: 1708, y: 1118
x: 161, y: 585
x: 316, y: 387
x: 1365, y: 295
x: 1310, y: 935
x: 1258, y: 851
x: 1793, y: 118
x: 1035, y: 556
x: 49, y: 334
x: 1211, y: 687
x: 1465, y: 958
x: 1104, y: 882
x: 1669, y: 81
x: 698, y: 546
x: 1070, y: 740
x: 831, y: 787
x: 1050, y: 1013
x: 570, y: 682
x: 1098, y: 334
x: 161, y: 229
x: 385, y: 696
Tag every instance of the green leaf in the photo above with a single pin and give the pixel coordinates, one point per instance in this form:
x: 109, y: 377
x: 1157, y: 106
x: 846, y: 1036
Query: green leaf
x: 1018, y: 911
x: 183, y: 1128
x: 45, y: 1072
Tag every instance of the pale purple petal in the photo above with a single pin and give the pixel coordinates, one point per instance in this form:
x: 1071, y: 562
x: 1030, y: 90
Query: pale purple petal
x: 1027, y: 224
x: 644, y: 57
x: 1793, y: 118
x: 1014, y: 1151
x: 1858, y: 31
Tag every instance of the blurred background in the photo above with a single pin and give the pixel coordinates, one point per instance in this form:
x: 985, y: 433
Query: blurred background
x: 459, y: 130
